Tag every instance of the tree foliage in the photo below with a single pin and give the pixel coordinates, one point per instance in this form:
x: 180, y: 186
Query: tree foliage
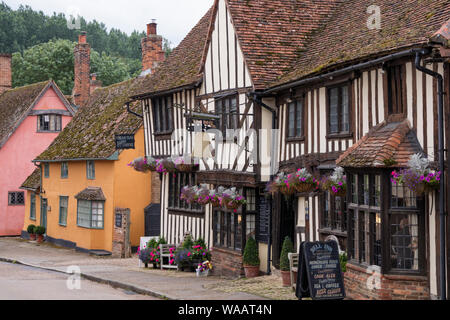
x: 285, y: 250
x: 251, y: 255
x: 54, y: 60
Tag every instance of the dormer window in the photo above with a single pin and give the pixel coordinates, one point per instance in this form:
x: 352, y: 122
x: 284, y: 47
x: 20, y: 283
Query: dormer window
x: 49, y: 123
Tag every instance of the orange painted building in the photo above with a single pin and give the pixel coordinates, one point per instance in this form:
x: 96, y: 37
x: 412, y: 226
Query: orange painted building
x: 83, y: 178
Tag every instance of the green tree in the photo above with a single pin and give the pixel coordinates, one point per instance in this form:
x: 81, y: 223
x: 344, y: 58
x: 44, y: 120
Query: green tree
x: 251, y: 255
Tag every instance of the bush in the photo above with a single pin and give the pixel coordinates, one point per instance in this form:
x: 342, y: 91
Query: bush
x: 343, y: 261
x: 183, y: 257
x: 40, y: 230
x: 144, y: 255
x: 251, y: 256
x: 31, y: 229
x: 188, y: 242
x: 200, y: 250
x: 284, y: 258
x: 152, y: 244
x: 161, y: 240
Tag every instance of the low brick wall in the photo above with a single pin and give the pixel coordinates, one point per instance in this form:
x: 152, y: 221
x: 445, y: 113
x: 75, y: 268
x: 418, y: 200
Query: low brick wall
x: 227, y: 263
x: 391, y: 287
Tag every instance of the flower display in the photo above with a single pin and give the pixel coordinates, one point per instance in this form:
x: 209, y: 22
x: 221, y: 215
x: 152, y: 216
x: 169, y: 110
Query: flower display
x: 304, y: 181
x: 336, y: 183
x: 418, y: 177
x: 185, y: 164
x: 143, y: 164
x: 220, y: 197
x: 206, y: 265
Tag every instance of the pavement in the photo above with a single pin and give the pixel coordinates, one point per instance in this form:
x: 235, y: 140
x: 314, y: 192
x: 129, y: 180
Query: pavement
x: 119, y: 273
x: 27, y: 283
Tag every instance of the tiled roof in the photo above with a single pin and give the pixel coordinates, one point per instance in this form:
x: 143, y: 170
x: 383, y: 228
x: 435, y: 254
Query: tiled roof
x: 14, y: 105
x: 272, y: 33
x: 443, y: 34
x: 91, y: 133
x: 387, y: 144
x: 33, y: 182
x: 182, y: 66
x: 345, y: 37
x: 91, y: 193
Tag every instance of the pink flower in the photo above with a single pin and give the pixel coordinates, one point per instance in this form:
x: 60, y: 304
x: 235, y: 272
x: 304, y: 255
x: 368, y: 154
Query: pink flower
x: 189, y: 254
x: 171, y: 261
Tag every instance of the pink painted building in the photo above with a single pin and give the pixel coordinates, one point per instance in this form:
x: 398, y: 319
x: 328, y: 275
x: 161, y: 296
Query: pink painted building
x: 30, y: 119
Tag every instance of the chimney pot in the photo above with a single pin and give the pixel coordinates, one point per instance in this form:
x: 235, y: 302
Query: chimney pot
x: 82, y: 37
x: 151, y: 28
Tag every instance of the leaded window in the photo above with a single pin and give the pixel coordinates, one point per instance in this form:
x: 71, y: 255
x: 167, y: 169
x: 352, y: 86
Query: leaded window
x: 227, y: 109
x: 49, y: 123
x: 63, y: 206
x: 334, y: 212
x: 295, y: 119
x: 339, y: 116
x: 176, y: 182
x: 16, y: 198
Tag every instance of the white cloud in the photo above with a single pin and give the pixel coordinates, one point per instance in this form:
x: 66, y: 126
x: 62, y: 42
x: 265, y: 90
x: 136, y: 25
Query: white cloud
x: 174, y: 17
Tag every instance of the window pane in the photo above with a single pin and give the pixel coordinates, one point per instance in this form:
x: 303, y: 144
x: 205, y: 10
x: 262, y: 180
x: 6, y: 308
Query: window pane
x: 326, y: 213
x: 251, y: 199
x: 404, y: 241
x: 63, y: 204
x: 353, y: 244
x: 345, y: 123
x: 402, y: 197
x: 362, y: 236
x: 333, y: 96
x: 32, y: 206
x: 354, y: 188
x: 250, y: 223
x: 291, y: 119
x: 46, y: 170
x: 84, y: 213
x: 238, y: 231
x: 299, y: 119
x: 376, y: 238
x: 366, y: 189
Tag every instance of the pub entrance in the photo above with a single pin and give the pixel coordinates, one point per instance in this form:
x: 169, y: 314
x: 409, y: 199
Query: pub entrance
x: 283, y: 224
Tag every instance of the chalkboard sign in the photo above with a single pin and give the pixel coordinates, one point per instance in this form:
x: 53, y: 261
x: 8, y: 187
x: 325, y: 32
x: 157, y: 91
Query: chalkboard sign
x: 320, y: 275
x: 118, y: 220
x: 124, y: 141
x: 263, y: 221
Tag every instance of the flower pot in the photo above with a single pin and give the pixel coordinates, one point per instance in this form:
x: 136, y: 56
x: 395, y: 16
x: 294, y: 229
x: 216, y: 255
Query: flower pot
x: 251, y: 271
x: 32, y: 236
x: 203, y: 273
x: 304, y: 187
x: 286, y: 191
x: 286, y: 278
x: 40, y: 238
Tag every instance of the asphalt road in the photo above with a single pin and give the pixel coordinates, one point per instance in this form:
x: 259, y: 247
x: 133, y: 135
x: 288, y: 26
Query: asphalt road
x: 28, y: 283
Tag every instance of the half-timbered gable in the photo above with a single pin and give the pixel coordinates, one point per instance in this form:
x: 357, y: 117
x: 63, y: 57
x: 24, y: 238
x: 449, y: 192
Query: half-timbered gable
x: 348, y: 88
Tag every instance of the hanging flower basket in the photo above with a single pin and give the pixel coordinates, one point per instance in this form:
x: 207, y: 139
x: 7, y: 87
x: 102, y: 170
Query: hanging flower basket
x: 304, y: 181
x: 418, y: 177
x: 336, y: 184
x: 143, y: 164
x: 202, y: 194
x: 185, y: 164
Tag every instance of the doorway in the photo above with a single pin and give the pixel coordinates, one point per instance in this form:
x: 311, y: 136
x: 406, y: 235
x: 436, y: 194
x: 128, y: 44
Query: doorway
x: 44, y: 213
x: 283, y: 225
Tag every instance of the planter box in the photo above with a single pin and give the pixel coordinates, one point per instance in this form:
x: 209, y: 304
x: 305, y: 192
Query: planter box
x: 204, y: 273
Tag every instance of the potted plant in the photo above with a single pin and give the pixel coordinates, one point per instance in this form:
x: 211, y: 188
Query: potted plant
x: 251, y: 258
x: 183, y: 259
x: 284, y: 261
x: 31, y: 229
x: 343, y: 261
x: 201, y: 194
x: 143, y: 164
x: 40, y: 231
x: 203, y: 269
x: 200, y: 251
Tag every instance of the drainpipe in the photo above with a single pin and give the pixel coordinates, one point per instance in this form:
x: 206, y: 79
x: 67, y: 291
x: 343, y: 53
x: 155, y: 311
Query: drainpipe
x: 258, y: 100
x: 132, y: 112
x: 440, y: 81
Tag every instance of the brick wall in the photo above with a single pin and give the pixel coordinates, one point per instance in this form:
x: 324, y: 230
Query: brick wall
x: 5, y: 72
x: 391, y: 287
x: 82, y: 65
x: 152, y: 52
x: 156, y: 188
x: 227, y: 263
x: 121, y: 235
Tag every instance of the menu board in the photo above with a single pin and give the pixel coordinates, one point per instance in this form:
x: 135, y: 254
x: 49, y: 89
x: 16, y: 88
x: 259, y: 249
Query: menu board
x: 124, y: 141
x: 263, y: 222
x: 320, y: 275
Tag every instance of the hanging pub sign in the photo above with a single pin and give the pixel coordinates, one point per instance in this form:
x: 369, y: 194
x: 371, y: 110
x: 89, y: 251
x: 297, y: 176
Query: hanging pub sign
x: 320, y: 275
x: 124, y: 141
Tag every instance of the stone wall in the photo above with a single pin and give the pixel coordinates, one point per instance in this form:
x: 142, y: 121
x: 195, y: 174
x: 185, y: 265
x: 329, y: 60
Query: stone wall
x: 121, y: 234
x: 227, y: 263
x: 389, y: 287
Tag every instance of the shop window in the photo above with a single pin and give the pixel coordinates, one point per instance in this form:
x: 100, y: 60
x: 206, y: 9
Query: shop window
x: 227, y: 229
x: 334, y: 212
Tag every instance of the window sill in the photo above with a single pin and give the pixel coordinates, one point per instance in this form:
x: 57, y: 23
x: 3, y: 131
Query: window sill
x: 295, y: 139
x: 336, y: 232
x: 34, y: 219
x: 16, y: 205
x: 344, y: 135
x: 42, y: 131
x: 92, y: 228
x: 62, y: 225
x: 391, y: 275
x: 179, y: 211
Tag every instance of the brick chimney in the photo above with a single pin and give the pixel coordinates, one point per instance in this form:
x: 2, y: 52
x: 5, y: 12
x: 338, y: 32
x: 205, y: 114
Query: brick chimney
x: 82, y: 57
x: 152, y: 52
x: 95, y: 83
x: 5, y: 72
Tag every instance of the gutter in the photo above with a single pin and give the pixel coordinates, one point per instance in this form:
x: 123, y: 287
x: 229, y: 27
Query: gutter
x: 327, y: 76
x: 442, y: 214
x: 164, y: 92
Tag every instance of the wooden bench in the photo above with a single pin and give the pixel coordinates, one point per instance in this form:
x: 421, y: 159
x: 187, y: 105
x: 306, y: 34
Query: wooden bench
x: 164, y: 250
x: 293, y: 267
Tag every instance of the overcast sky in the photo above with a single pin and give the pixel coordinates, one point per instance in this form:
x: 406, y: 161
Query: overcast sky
x: 174, y: 17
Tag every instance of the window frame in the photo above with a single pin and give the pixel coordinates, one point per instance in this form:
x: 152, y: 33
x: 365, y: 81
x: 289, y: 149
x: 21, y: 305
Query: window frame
x: 32, y: 206
x: 175, y: 204
x: 162, y: 115
x: 64, y: 173
x: 340, y: 132
x: 90, y: 174
x: 55, y: 118
x: 297, y: 136
x: 15, y: 203
x: 232, y: 119
x: 397, y: 71
x: 90, y: 214
x: 60, y: 211
x: 46, y: 170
